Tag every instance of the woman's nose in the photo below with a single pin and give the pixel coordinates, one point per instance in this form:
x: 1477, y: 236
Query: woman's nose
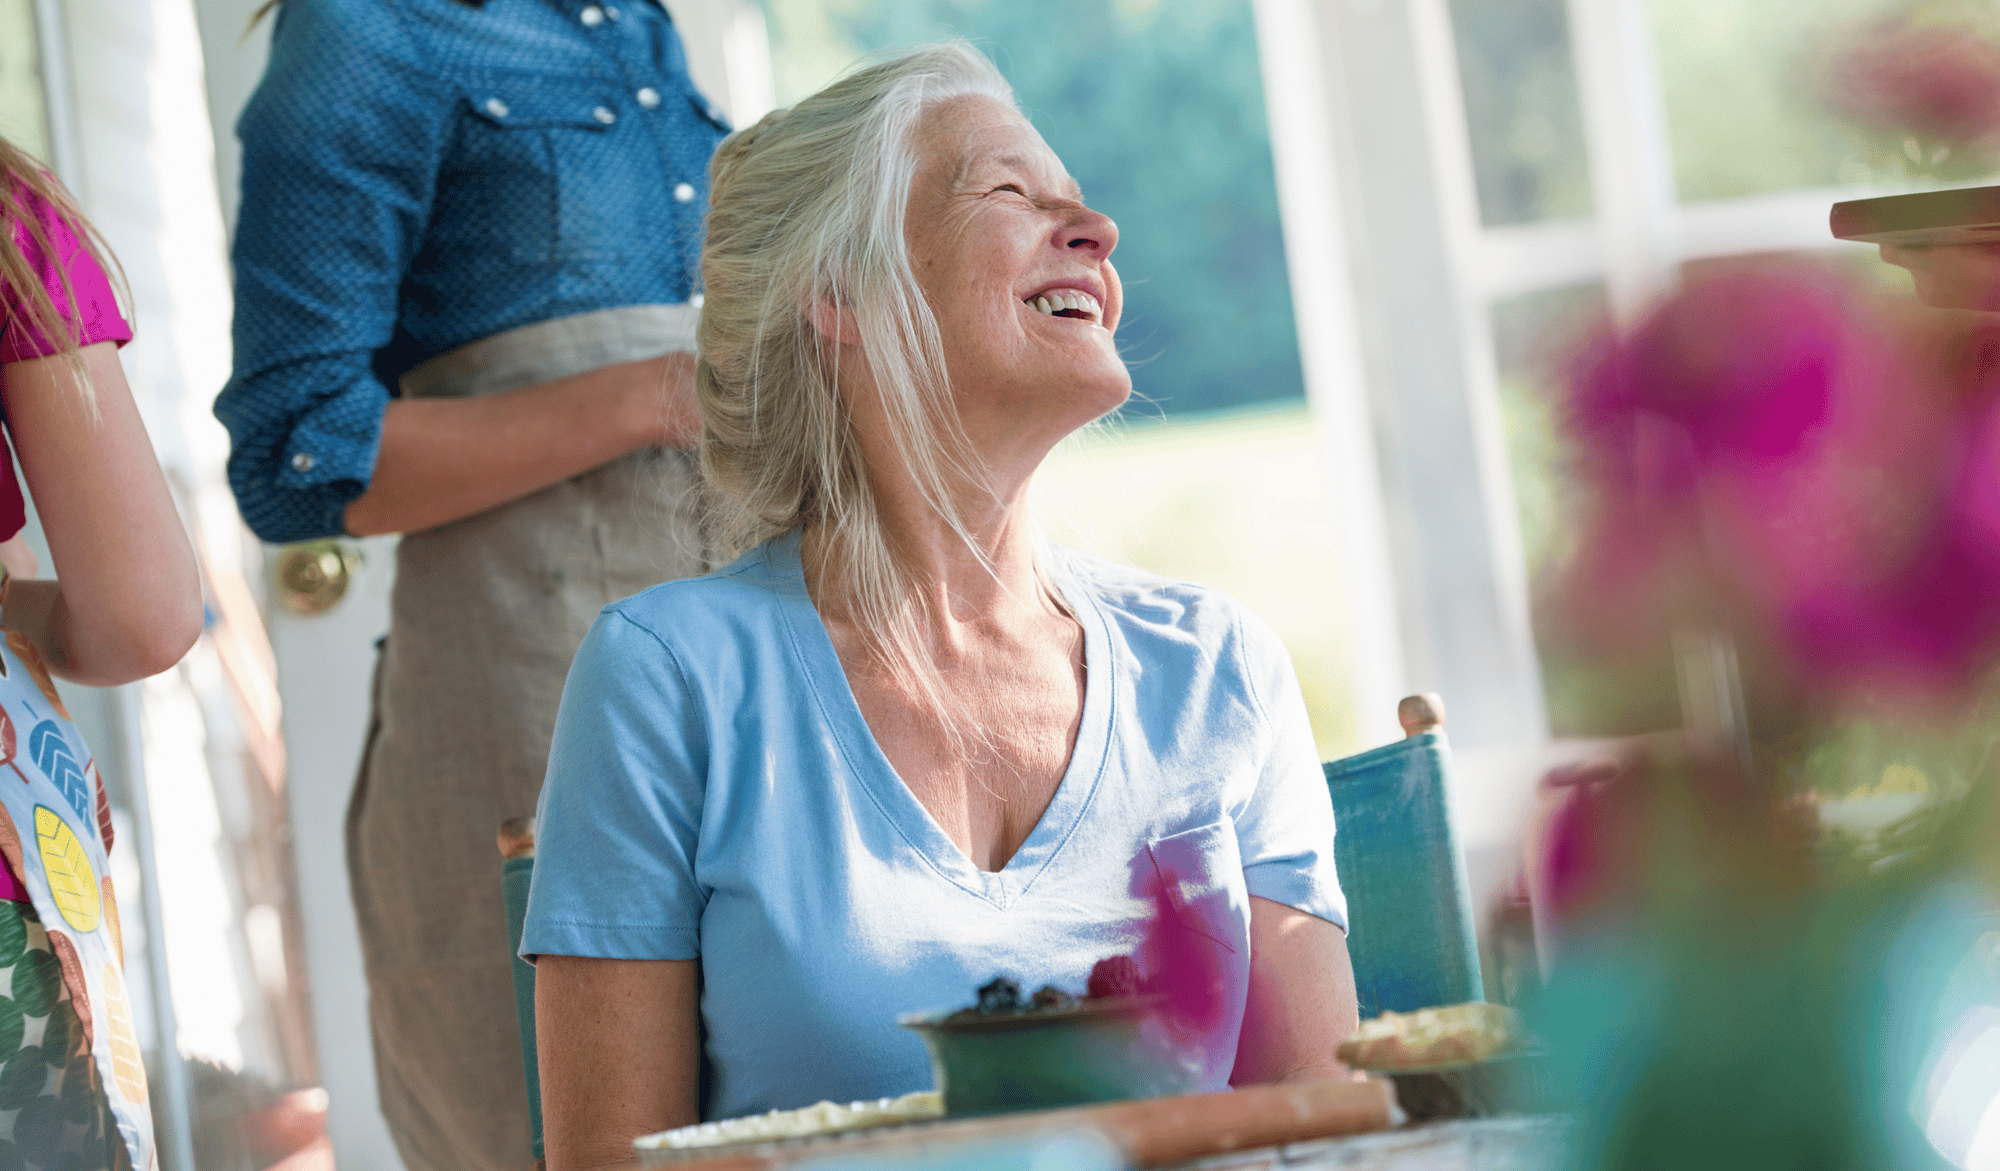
x: 1090, y: 232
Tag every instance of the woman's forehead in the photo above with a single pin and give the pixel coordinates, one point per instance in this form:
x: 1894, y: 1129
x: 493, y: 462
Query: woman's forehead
x: 965, y: 137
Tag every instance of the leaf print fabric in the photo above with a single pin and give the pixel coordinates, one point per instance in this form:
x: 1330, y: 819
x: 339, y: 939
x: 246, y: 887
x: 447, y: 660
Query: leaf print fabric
x: 9, y: 744
x: 58, y: 807
x: 49, y: 749
x: 52, y: 1110
x: 72, y: 879
x: 111, y: 921
x: 126, y: 1064
x: 37, y: 670
x: 104, y: 831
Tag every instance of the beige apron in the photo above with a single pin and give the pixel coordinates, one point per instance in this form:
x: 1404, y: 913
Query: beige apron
x: 486, y: 615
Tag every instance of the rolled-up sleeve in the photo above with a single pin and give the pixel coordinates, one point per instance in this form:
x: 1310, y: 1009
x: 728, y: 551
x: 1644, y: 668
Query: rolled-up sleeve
x: 341, y: 144
x: 1285, y: 826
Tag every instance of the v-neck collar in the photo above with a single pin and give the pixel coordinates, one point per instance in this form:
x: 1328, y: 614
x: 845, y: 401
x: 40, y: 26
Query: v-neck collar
x: 886, y: 789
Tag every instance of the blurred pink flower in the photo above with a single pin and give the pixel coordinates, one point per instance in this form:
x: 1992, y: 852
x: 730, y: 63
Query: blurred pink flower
x: 1181, y: 959
x: 1774, y: 452
x: 1939, y: 84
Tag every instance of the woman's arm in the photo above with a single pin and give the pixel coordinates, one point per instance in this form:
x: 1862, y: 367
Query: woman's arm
x: 444, y: 459
x: 340, y: 181
x: 620, y: 1047
x: 1301, y: 1004
x: 127, y: 599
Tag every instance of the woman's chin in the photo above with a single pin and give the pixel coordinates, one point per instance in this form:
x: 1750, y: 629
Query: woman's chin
x: 1113, y: 400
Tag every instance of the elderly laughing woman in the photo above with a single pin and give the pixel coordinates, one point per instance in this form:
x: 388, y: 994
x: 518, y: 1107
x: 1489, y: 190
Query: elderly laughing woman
x: 902, y: 744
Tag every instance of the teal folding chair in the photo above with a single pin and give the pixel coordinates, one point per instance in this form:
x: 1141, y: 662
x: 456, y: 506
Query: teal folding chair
x: 517, y: 869
x: 1409, y: 911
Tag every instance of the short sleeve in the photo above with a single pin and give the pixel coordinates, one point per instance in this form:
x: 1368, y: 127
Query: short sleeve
x: 1284, y: 828
x: 620, y: 814
x: 96, y: 317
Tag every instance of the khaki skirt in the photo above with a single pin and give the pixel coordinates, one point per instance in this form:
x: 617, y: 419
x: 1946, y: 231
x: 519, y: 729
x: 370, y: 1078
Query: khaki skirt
x: 485, y: 616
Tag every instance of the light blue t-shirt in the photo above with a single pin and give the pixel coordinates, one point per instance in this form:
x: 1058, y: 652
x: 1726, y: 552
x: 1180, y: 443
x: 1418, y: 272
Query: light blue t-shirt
x: 714, y: 792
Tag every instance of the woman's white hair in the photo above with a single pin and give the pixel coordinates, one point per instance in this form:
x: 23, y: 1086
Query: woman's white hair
x: 807, y: 209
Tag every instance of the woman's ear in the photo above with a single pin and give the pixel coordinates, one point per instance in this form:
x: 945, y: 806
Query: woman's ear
x: 836, y: 323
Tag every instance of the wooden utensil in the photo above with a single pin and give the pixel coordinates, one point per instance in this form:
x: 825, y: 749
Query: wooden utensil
x: 1967, y: 215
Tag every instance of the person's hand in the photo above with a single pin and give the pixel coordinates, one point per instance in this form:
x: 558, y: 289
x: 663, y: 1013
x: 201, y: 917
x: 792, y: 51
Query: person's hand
x: 676, y: 410
x: 443, y: 459
x: 1957, y: 276
x: 19, y: 557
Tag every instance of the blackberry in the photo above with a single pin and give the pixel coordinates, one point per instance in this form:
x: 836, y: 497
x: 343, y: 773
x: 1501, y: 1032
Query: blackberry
x: 1002, y: 995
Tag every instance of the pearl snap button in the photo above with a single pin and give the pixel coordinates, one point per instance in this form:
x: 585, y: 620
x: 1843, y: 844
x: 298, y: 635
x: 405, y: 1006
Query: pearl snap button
x: 603, y: 114
x: 611, y: 10
x: 683, y: 193
x: 591, y: 16
x: 303, y: 462
x: 496, y: 107
x: 648, y: 97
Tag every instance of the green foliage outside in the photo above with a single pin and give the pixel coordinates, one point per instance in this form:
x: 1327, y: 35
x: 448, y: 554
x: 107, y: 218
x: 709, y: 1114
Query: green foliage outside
x: 1521, y: 110
x: 22, y: 119
x: 1158, y: 110
x: 1744, y: 94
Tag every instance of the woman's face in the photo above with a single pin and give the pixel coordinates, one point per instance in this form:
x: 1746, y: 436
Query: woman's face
x: 1018, y: 273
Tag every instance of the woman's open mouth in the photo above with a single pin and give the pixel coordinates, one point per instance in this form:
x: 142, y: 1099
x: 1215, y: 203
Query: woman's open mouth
x: 1073, y: 303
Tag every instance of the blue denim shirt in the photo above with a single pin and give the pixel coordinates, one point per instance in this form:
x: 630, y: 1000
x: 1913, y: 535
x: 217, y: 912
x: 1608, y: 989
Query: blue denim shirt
x: 420, y: 174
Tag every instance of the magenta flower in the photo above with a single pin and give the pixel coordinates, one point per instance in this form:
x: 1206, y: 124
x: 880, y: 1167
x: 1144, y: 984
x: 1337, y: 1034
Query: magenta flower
x: 1938, y: 84
x: 1773, y: 452
x: 1181, y: 960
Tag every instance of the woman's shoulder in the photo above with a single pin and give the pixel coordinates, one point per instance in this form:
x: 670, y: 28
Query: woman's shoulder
x: 339, y: 26
x: 746, y: 599
x: 326, y: 40
x: 1166, y: 607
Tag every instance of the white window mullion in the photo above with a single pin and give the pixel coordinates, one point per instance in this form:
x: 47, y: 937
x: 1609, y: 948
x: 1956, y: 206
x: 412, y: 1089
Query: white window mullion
x: 1430, y: 407
x: 1528, y: 258
x: 1319, y: 261
x: 1458, y: 198
x: 1631, y: 156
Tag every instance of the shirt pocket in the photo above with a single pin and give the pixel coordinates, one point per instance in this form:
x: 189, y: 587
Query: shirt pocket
x: 1204, y: 868
x: 518, y: 183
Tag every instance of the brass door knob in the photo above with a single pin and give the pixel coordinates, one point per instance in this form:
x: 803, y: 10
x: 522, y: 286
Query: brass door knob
x: 314, y: 575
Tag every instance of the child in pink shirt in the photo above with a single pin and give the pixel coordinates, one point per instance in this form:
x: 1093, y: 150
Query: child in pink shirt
x: 127, y: 605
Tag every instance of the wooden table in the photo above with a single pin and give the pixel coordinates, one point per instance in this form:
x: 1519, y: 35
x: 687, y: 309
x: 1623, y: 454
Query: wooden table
x: 1514, y: 1143
x: 1331, y: 1125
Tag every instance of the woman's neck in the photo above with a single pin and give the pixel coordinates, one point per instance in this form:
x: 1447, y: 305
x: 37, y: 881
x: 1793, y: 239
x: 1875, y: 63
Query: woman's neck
x: 974, y: 573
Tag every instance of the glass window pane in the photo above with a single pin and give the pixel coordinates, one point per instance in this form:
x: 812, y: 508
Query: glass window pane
x: 1521, y: 110
x: 1158, y: 110
x: 23, y: 118
x: 1743, y: 107
x: 1236, y: 501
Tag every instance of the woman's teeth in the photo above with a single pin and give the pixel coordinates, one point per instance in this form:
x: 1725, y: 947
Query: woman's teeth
x: 1068, y: 303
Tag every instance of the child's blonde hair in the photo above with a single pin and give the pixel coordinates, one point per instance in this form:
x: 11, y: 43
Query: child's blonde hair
x: 23, y: 183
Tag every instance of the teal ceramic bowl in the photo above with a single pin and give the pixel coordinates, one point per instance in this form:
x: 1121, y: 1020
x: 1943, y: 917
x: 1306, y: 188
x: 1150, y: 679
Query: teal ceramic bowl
x: 1096, y: 1051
